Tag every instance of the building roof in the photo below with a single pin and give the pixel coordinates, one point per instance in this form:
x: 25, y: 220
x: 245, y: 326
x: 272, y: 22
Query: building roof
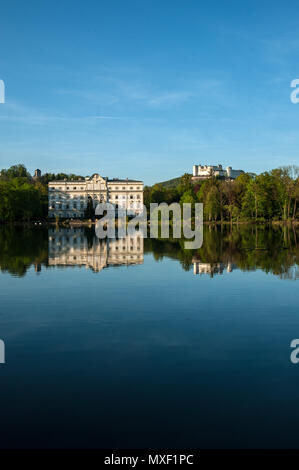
x: 116, y: 180
x: 66, y: 181
x: 111, y: 180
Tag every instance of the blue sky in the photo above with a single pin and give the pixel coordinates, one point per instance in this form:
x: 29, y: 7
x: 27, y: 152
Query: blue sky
x: 145, y: 89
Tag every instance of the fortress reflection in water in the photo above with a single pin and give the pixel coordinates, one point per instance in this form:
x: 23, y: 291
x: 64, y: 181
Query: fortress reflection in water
x: 72, y: 247
x: 212, y: 268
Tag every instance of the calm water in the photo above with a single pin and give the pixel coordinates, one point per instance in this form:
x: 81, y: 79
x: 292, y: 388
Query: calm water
x: 136, y: 343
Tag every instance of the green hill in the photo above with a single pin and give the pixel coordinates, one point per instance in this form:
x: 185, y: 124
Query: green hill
x: 173, y: 183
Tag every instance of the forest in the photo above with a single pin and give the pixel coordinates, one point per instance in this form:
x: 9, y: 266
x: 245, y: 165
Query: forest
x: 274, y: 249
x: 24, y: 198
x: 269, y: 196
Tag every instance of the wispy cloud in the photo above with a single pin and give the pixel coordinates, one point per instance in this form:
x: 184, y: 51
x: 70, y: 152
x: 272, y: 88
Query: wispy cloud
x: 18, y: 113
x: 128, y: 90
x: 95, y: 97
x: 148, y: 95
x: 107, y: 117
x: 168, y: 99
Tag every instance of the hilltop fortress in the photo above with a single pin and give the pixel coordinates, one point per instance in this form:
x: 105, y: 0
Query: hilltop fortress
x: 202, y: 172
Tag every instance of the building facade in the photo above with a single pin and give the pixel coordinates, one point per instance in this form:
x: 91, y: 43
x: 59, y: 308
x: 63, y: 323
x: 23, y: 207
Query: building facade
x: 69, y: 198
x: 201, y: 172
x: 212, y: 268
x: 70, y: 247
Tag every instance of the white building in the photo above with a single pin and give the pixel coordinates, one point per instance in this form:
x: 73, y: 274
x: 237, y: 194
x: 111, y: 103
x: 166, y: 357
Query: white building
x: 211, y: 269
x: 69, y: 198
x: 201, y: 172
x: 70, y: 247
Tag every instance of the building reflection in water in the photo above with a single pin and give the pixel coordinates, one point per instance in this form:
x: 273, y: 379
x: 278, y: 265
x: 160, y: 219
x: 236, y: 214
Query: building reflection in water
x: 212, y: 268
x: 72, y: 247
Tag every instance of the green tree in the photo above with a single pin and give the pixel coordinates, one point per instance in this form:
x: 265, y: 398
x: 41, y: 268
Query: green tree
x: 89, y: 211
x: 212, y: 204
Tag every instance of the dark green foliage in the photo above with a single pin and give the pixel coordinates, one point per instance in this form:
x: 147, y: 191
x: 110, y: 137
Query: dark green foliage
x: 15, y: 171
x: 21, y: 197
x: 20, y: 247
x: 89, y: 211
x: 269, y: 196
x: 247, y: 247
x: 173, y: 183
x: 22, y: 200
x: 47, y: 177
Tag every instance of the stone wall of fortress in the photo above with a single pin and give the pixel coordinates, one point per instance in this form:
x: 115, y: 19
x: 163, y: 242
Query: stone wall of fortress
x: 201, y: 172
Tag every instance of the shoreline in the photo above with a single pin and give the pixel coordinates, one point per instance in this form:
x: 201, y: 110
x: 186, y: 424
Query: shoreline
x: 90, y: 223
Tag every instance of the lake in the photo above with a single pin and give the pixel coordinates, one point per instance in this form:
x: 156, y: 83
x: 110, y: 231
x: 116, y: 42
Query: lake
x: 136, y: 343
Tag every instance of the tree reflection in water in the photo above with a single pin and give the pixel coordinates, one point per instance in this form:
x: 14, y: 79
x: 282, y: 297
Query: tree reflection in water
x: 246, y: 247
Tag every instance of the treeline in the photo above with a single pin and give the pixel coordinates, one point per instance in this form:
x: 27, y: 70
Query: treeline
x: 22, y: 197
x: 21, y: 247
x: 246, y: 247
x: 269, y: 196
x: 46, y: 177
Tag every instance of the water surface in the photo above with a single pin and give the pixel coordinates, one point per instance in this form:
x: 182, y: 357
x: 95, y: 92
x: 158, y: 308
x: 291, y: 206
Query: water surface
x: 140, y: 343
